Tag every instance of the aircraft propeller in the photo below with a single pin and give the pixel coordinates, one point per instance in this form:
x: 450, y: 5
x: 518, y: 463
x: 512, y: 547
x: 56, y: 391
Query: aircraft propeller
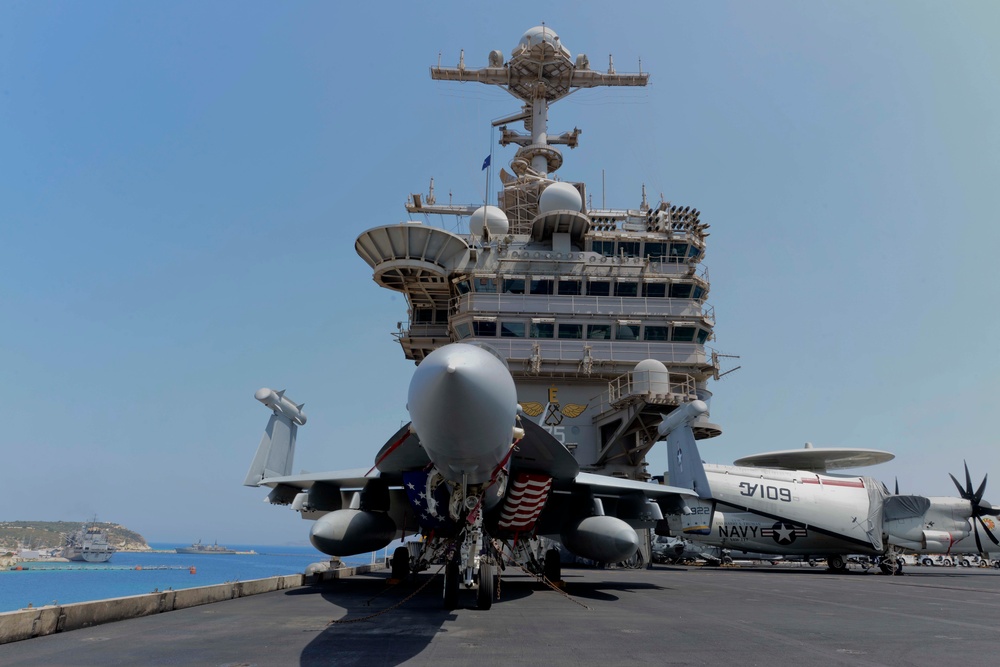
x: 979, y: 509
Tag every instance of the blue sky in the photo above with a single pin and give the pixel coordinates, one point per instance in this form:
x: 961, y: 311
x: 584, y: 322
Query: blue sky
x: 181, y: 185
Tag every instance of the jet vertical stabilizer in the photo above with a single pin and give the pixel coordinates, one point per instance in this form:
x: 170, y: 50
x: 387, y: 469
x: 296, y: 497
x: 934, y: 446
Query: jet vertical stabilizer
x: 277, y: 447
x: 686, y: 469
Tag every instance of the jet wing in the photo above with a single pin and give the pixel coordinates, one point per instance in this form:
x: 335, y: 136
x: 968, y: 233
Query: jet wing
x: 345, y: 479
x: 604, y: 485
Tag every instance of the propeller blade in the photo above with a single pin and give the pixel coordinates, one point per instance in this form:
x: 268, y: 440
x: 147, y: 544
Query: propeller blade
x: 968, y: 482
x: 979, y: 492
x: 988, y: 533
x: 897, y: 486
x: 958, y: 486
x: 979, y: 545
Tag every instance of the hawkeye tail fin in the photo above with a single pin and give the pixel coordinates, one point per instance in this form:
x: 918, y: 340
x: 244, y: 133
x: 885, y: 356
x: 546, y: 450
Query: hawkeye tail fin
x: 686, y: 469
x: 277, y: 447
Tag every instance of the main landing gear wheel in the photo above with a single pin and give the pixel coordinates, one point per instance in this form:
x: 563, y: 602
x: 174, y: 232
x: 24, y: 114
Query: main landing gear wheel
x: 552, y: 569
x: 487, y: 586
x: 451, y: 575
x: 836, y: 563
x: 400, y: 563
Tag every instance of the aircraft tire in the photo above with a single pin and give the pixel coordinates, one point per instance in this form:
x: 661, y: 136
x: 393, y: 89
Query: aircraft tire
x: 451, y: 575
x: 927, y: 561
x: 552, y: 569
x: 487, y: 586
x: 400, y: 563
x: 836, y: 563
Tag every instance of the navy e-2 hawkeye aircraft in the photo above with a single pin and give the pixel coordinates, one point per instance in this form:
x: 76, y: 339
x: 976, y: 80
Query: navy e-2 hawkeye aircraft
x: 785, y: 503
x: 477, y: 481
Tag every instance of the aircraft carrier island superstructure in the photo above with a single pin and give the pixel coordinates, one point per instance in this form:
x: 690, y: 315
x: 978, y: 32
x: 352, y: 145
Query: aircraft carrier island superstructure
x: 600, y: 314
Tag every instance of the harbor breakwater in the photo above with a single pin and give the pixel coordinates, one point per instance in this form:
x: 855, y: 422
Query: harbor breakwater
x: 39, y: 621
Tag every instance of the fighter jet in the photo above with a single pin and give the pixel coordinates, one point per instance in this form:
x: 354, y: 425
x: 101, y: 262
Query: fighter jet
x: 479, y: 483
x: 810, y: 512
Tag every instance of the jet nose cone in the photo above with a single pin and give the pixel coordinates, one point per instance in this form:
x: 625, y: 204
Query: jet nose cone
x: 463, y: 404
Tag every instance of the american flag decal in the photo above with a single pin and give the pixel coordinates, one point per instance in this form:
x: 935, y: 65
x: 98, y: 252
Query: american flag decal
x: 429, y: 515
x: 524, y: 502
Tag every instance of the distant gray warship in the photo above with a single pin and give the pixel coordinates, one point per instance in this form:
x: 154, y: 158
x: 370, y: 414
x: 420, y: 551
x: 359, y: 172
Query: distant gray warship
x: 89, y: 544
x: 199, y: 548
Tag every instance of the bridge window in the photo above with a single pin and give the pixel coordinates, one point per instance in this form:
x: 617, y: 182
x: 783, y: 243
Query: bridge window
x: 513, y: 285
x: 542, y: 330
x: 680, y: 290
x: 683, y: 334
x: 699, y: 291
x: 571, y: 331
x: 678, y: 252
x: 654, y: 289
x: 484, y: 328
x: 694, y: 252
x: 599, y: 288
x: 463, y: 287
x: 598, y: 332
x: 488, y: 285
x: 702, y: 336
x: 627, y: 332
x: 423, y: 316
x: 512, y: 329
x: 541, y: 286
x: 570, y: 288
x: 656, y: 250
x: 628, y: 248
x: 463, y: 330
x: 626, y: 289
x: 606, y: 248
x: 655, y: 333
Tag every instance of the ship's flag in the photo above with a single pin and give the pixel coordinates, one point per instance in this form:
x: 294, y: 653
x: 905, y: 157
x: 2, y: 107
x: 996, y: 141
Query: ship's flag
x: 486, y: 162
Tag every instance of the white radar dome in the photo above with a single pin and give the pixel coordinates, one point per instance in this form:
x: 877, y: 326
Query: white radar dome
x: 490, y: 218
x: 539, y: 35
x: 560, y: 197
x: 655, y: 373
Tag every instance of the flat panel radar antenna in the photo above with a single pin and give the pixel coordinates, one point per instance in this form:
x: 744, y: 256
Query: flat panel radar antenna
x: 540, y: 71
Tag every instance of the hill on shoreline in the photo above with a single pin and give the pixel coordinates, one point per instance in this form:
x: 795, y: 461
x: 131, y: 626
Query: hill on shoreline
x: 51, y: 534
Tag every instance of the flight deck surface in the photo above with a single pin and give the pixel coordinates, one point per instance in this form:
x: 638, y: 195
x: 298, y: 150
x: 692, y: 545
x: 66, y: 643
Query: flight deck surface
x: 670, y: 615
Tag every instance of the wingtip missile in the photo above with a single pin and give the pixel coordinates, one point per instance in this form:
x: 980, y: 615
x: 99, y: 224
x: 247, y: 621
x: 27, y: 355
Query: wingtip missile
x: 681, y: 416
x: 276, y: 401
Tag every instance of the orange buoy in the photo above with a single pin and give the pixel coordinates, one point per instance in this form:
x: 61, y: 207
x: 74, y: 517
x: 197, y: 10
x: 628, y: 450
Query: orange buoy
x: 138, y: 567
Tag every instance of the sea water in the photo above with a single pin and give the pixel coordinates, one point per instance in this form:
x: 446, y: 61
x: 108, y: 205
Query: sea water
x: 136, y: 573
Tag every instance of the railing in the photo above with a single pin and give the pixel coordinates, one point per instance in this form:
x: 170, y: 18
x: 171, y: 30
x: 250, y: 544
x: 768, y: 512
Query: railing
x: 653, y: 387
x: 596, y: 353
x: 527, y: 305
